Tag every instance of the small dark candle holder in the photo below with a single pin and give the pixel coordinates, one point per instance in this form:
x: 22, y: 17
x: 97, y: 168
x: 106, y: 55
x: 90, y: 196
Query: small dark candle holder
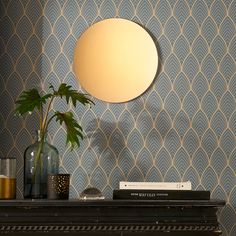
x: 58, y: 186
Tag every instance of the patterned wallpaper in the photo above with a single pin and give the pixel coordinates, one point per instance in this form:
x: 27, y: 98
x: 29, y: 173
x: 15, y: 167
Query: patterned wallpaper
x: 183, y: 128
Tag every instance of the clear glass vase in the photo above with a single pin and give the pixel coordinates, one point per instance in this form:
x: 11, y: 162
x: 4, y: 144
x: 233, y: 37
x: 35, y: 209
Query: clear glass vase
x: 40, y: 159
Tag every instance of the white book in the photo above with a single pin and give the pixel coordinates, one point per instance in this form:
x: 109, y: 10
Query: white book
x: 156, y: 185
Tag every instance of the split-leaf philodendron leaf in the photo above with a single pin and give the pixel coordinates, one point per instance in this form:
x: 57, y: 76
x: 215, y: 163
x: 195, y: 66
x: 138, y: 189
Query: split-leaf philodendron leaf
x: 31, y: 99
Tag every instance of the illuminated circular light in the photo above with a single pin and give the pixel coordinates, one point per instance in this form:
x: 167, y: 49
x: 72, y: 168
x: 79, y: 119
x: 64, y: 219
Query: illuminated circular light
x: 115, y: 60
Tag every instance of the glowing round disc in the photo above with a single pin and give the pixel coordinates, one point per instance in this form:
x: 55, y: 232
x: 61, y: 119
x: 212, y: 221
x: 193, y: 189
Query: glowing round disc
x: 115, y: 60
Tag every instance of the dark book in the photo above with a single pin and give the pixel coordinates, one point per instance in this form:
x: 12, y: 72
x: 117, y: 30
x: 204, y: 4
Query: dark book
x: 132, y: 194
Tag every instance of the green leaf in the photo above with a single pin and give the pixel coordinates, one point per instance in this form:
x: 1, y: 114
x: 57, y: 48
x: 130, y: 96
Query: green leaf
x: 74, y: 130
x: 29, y: 100
x: 71, y: 94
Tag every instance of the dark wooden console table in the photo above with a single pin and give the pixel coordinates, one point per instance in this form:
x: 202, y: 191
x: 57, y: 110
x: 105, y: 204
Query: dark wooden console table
x: 109, y: 217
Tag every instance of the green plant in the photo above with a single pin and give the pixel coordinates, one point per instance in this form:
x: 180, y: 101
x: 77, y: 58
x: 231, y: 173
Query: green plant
x: 31, y: 99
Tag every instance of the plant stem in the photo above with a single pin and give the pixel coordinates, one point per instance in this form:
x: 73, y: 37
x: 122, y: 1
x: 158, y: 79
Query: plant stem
x: 43, y: 129
x: 45, y: 121
x: 46, y: 127
x: 41, y: 117
x: 37, y: 158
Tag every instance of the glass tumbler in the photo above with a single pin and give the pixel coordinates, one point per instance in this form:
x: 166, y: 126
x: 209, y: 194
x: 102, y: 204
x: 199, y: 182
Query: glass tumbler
x: 7, y: 178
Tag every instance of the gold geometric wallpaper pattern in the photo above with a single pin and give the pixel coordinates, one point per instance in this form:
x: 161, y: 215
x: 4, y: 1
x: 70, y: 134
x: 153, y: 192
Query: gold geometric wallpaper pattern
x: 182, y: 128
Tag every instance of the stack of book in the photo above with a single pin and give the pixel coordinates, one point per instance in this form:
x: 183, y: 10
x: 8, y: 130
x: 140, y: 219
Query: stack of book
x: 159, y: 191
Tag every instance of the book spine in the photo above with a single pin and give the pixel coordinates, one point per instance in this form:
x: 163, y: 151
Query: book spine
x: 156, y: 185
x: 161, y: 195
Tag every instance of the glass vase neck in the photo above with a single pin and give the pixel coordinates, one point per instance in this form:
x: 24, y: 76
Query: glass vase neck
x: 41, y: 136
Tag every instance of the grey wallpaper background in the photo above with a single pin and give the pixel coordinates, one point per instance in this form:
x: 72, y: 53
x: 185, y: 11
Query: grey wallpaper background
x: 183, y: 128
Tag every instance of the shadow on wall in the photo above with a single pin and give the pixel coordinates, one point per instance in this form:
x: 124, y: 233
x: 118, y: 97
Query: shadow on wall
x: 133, y: 140
x: 21, y: 67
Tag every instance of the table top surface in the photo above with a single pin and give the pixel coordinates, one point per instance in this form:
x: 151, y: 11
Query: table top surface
x: 110, y: 203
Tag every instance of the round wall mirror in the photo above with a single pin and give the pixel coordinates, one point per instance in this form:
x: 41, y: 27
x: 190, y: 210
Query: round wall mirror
x: 115, y: 60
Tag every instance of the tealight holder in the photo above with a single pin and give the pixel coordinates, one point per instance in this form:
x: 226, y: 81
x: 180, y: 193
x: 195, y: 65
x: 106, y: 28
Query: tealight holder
x: 7, y: 178
x: 58, y: 186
